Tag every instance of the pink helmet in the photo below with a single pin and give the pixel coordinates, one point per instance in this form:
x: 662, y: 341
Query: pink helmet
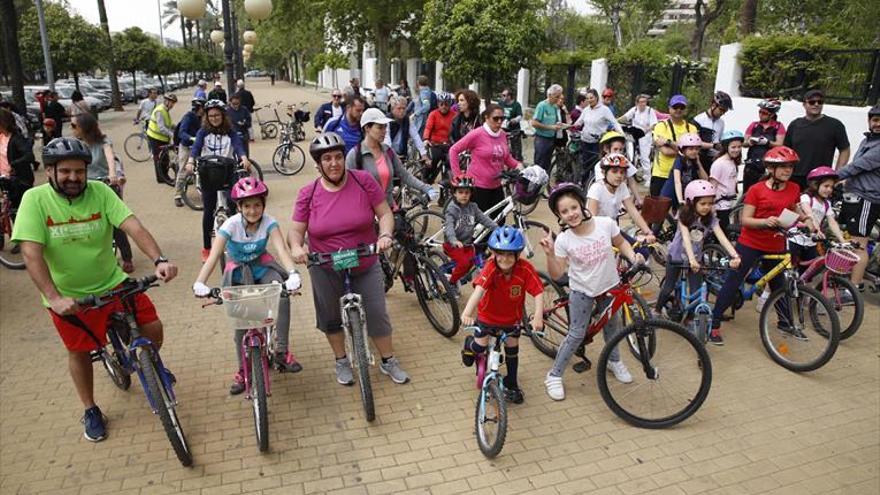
x: 698, y: 189
x: 687, y: 140
x: 822, y: 173
x: 249, y: 187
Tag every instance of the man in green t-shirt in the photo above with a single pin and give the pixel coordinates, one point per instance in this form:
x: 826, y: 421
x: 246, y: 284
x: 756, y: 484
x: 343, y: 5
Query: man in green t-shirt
x: 547, y: 121
x: 513, y: 115
x: 65, y: 229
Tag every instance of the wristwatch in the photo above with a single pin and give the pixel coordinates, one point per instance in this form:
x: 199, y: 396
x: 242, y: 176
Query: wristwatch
x: 160, y: 259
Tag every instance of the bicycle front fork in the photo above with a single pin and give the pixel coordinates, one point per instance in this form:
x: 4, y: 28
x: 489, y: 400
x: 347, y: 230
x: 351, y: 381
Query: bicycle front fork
x: 349, y: 302
x: 254, y: 339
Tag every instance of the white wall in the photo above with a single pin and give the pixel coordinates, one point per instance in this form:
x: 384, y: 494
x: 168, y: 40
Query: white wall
x: 745, y: 110
x: 368, y: 75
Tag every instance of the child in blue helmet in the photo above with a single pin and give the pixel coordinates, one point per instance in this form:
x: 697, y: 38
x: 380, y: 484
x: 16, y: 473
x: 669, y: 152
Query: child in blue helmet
x: 500, y: 291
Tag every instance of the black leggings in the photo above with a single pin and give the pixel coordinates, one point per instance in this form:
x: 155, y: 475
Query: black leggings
x: 749, y: 257
x: 119, y: 236
x: 209, y: 200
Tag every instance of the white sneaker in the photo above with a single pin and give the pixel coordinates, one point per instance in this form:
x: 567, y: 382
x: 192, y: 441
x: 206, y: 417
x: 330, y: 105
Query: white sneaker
x: 554, y: 387
x: 620, y: 371
x: 759, y: 306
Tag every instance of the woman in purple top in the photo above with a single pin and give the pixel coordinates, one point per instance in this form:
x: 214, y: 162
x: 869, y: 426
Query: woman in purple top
x: 338, y: 211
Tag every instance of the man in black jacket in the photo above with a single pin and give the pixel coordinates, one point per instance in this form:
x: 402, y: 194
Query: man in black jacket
x: 218, y: 93
x: 56, y: 112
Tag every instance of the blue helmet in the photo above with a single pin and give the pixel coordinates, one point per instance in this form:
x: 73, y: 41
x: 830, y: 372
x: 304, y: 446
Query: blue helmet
x: 507, y: 238
x: 732, y: 135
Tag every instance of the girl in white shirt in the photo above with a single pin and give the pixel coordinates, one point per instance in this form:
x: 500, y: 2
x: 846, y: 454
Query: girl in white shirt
x: 606, y: 196
x: 723, y: 175
x: 584, y: 250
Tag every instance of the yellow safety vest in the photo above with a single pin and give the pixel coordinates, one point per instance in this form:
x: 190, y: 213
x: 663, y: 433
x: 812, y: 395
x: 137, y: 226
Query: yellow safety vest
x: 153, y: 129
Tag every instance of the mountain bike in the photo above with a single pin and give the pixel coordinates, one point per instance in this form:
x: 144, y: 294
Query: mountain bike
x: 490, y: 417
x: 418, y: 268
x: 288, y: 158
x: 136, y: 145
x: 254, y: 308
x: 806, y: 332
x: 128, y: 351
x: 672, y: 372
x: 353, y: 317
x: 192, y: 188
x: 10, y: 252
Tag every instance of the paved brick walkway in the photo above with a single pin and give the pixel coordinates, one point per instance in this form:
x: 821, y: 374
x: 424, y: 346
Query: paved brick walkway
x: 762, y: 430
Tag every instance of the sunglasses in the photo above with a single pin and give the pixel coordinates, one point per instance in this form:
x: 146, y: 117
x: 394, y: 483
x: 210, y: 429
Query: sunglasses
x: 497, y: 118
x: 815, y: 102
x: 679, y: 107
x: 763, y: 112
x: 337, y: 96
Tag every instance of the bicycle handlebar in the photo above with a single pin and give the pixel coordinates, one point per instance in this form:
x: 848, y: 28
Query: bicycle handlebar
x: 127, y: 288
x: 633, y: 271
x: 363, y: 251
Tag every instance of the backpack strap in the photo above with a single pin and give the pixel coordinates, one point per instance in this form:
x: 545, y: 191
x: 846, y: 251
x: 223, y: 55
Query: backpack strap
x: 358, y: 158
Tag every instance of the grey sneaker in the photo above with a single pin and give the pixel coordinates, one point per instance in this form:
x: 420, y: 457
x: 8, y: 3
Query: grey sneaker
x: 392, y: 368
x: 343, y: 372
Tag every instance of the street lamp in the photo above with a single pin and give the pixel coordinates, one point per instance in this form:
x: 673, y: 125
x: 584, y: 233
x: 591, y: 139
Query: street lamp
x: 249, y: 36
x: 217, y: 36
x: 258, y: 9
x: 192, y: 9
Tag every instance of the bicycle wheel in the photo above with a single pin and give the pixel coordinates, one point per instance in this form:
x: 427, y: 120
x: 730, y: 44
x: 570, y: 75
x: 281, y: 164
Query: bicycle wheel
x: 256, y: 166
x: 111, y: 359
x: 269, y: 130
x: 258, y: 397
x: 163, y: 406
x: 137, y: 148
x: 734, y: 227
x: 555, y: 321
x: 668, y: 386
x: 168, y: 166
x: 491, y: 419
x: 192, y: 194
x: 427, y: 227
x: 360, y: 362
x: 436, y: 298
x: 850, y: 308
x: 10, y: 252
x: 806, y: 332
x: 629, y: 314
x: 533, y: 233
x: 288, y: 159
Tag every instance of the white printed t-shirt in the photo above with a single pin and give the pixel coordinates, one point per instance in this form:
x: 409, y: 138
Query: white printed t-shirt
x: 591, y: 265
x: 609, y: 203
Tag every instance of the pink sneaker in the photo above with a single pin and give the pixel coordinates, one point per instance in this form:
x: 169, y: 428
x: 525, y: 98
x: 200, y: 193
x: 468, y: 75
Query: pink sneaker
x: 237, y: 386
x: 286, y: 362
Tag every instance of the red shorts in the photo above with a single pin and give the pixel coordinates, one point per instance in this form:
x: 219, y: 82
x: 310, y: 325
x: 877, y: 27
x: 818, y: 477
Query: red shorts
x: 76, y: 339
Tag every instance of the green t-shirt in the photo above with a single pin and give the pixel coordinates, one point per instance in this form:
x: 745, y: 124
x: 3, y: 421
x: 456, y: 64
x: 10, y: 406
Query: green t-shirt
x: 77, y: 237
x: 511, y: 111
x: 547, y: 114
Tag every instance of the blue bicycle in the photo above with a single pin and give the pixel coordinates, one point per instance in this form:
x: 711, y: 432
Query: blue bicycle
x: 127, y: 352
x: 685, y: 305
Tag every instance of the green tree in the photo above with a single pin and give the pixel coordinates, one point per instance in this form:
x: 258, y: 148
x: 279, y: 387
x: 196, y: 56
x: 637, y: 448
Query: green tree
x: 290, y: 36
x: 171, y: 15
x: 635, y: 17
x: 480, y: 39
x: 135, y: 51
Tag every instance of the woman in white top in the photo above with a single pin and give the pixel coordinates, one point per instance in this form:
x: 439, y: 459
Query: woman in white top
x: 643, y: 117
x: 595, y: 118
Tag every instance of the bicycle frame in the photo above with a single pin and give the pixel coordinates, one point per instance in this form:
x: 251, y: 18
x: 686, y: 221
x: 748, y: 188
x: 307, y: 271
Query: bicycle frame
x: 256, y: 337
x: 488, y: 366
x: 352, y: 300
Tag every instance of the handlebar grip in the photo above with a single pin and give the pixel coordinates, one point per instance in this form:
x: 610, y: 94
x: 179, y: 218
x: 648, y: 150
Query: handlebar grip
x: 87, y: 301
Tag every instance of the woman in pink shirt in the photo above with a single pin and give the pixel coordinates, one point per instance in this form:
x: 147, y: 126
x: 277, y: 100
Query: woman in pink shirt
x: 337, y: 211
x: 489, y: 157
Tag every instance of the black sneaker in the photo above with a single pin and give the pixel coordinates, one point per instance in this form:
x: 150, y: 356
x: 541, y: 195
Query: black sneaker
x: 286, y: 362
x: 178, y: 202
x: 514, y: 395
x: 467, y: 355
x: 793, y: 331
x: 715, y: 337
x: 95, y: 424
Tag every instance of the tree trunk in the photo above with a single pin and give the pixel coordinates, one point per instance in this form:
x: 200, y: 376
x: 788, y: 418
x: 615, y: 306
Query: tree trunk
x: 198, y: 35
x: 116, y: 98
x: 748, y: 17
x: 382, y: 51
x: 11, y: 50
x: 183, y: 30
x: 134, y: 84
x: 702, y: 19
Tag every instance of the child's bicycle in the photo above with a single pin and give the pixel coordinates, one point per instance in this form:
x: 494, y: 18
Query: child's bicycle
x: 685, y: 305
x: 353, y: 317
x: 830, y: 273
x: 672, y: 372
x: 127, y: 352
x: 490, y: 418
x: 807, y: 331
x: 254, y: 308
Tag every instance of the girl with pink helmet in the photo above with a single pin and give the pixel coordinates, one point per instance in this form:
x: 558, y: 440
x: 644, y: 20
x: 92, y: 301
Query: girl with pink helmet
x: 687, y: 167
x: 696, y: 220
x: 245, y: 238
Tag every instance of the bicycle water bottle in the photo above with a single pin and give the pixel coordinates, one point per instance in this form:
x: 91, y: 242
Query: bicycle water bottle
x: 755, y: 275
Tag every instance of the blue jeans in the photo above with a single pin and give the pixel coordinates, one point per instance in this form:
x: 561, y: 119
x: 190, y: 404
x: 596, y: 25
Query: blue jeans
x: 544, y: 152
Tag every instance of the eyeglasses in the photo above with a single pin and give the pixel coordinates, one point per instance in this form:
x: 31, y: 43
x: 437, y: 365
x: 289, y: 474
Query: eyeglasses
x: 497, y: 118
x: 815, y: 102
x: 337, y: 96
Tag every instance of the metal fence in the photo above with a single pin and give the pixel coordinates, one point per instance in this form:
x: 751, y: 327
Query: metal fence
x: 659, y: 81
x: 847, y: 77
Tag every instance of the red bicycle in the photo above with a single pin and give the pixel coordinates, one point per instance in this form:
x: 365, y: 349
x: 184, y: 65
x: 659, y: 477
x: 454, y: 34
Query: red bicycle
x: 10, y: 252
x: 672, y: 371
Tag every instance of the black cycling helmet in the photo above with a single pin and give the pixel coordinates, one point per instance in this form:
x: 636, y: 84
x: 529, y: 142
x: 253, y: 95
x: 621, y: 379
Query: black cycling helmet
x: 564, y: 188
x: 65, y: 148
x: 723, y: 100
x: 328, y: 141
x: 874, y: 111
x: 198, y: 103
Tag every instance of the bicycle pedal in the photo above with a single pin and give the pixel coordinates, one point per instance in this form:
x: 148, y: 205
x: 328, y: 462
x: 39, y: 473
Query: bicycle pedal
x: 582, y: 366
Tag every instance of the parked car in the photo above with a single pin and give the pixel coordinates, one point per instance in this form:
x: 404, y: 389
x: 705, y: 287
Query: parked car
x: 88, y: 90
x: 256, y: 73
x: 32, y: 115
x: 66, y: 91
